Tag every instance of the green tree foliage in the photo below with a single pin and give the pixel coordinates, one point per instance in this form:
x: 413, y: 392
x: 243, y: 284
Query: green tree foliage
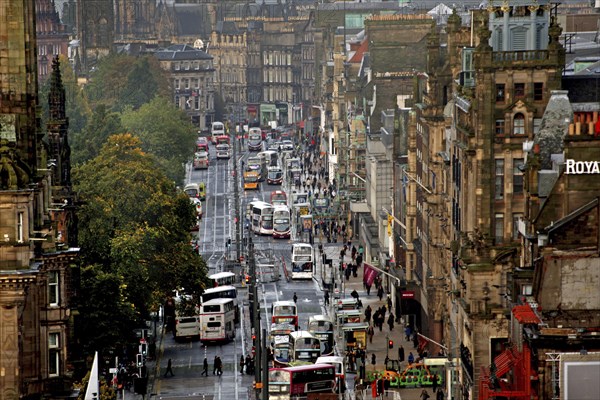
x: 108, y: 318
x: 121, y: 80
x: 135, y: 224
x: 86, y: 144
x: 165, y: 131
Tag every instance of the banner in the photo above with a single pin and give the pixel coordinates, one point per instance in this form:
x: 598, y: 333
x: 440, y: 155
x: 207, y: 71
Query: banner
x: 369, y: 274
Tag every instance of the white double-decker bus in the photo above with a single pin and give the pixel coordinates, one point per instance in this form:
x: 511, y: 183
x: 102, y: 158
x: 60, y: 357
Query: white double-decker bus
x: 281, y: 222
x: 303, y: 261
x: 217, y: 129
x: 217, y: 320
x: 261, y: 215
x: 222, y: 292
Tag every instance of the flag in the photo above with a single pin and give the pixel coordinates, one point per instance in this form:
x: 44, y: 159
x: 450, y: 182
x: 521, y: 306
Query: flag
x: 93, y: 388
x: 422, y: 343
x: 370, y: 274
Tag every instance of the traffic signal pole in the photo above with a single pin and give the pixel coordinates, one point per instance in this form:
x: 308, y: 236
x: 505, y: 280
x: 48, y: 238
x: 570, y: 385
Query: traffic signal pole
x: 236, y: 191
x: 254, y: 304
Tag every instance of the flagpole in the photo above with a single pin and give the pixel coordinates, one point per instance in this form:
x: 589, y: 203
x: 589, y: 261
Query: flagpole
x: 432, y: 341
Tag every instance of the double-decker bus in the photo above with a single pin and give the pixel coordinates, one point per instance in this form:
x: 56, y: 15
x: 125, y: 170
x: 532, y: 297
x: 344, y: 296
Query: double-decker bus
x: 217, y: 320
x: 284, y: 312
x: 270, y: 157
x: 224, y: 139
x: 281, y: 222
x: 297, y: 382
x: 340, y: 370
x: 225, y: 278
x: 222, y: 292
x: 261, y: 215
x: 255, y: 139
x: 216, y: 129
x: 278, y: 198
x: 322, y: 328
x: 280, y: 343
x: 251, y: 180
x: 303, y: 261
x: 304, y: 347
x: 274, y: 176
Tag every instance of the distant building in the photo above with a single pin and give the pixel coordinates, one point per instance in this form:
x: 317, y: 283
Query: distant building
x: 52, y: 36
x: 192, y: 76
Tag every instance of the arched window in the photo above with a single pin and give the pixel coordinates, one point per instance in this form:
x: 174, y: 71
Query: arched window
x: 519, y: 124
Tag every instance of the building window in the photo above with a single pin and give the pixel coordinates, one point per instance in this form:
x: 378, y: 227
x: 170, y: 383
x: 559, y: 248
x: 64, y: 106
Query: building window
x: 518, y: 163
x: 519, y: 90
x: 499, y: 194
x: 187, y: 83
x: 177, y: 102
x: 177, y: 66
x: 500, y: 94
x: 499, y: 127
x: 53, y: 288
x: 20, y: 227
x: 538, y: 91
x: 54, y: 354
x: 519, y: 124
x: 516, y: 218
x: 499, y: 227
x: 176, y: 84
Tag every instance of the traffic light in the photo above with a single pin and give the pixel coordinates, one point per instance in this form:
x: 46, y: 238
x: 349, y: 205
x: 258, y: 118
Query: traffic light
x: 390, y: 344
x: 139, y: 360
x: 144, y: 349
x: 247, y: 278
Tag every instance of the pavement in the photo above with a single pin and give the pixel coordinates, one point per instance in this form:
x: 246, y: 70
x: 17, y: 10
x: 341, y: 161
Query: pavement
x: 379, y: 345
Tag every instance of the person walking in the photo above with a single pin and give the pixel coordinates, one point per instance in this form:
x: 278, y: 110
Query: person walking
x: 326, y: 296
x: 390, y: 322
x: 242, y: 363
x: 400, y: 353
x: 215, y: 365
x: 205, y: 367
x: 373, y: 359
x: 434, y: 386
x: 368, y: 312
x: 380, y: 293
x: 370, y: 332
x: 295, y: 298
x: 424, y: 395
x: 219, y: 366
x: 411, y: 358
x: 169, y: 368
x: 439, y: 394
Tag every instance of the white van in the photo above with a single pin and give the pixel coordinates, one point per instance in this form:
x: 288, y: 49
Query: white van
x: 187, y: 327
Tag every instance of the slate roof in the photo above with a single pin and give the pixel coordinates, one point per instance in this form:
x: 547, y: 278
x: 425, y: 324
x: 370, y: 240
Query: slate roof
x: 182, y: 52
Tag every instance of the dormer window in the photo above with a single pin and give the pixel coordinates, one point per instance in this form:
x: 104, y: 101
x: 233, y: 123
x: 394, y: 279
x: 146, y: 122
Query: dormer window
x: 519, y: 124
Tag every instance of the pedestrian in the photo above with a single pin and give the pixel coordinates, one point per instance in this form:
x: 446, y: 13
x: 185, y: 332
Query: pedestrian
x: 368, y: 312
x: 391, y: 322
x: 370, y: 332
x: 380, y: 293
x: 411, y: 358
x: 242, y: 363
x: 219, y: 366
x: 354, y: 294
x: 373, y: 359
x: 326, y: 296
x: 400, y: 353
x: 205, y: 367
x: 249, y: 369
x: 424, y: 395
x: 434, y: 385
x: 389, y: 302
x: 215, y: 365
x: 169, y: 368
x: 295, y: 298
x: 440, y: 394
x: 407, y: 333
x: 368, y: 286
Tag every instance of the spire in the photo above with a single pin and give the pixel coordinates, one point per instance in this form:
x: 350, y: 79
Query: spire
x: 56, y: 96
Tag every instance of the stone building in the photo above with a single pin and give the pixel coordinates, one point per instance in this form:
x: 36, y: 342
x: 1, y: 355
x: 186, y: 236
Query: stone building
x: 479, y: 110
x: 229, y: 49
x: 38, y: 266
x: 52, y: 36
x: 191, y: 73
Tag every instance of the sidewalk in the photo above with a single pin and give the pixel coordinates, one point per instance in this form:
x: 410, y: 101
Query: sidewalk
x: 379, y: 345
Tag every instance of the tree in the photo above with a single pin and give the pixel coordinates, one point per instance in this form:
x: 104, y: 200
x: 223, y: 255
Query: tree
x: 165, y: 131
x: 86, y: 144
x: 135, y: 224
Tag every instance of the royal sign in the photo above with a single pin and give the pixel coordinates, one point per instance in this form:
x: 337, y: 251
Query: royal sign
x: 582, y: 167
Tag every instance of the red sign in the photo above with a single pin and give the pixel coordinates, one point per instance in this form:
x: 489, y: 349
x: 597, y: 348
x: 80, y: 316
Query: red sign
x: 409, y: 294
